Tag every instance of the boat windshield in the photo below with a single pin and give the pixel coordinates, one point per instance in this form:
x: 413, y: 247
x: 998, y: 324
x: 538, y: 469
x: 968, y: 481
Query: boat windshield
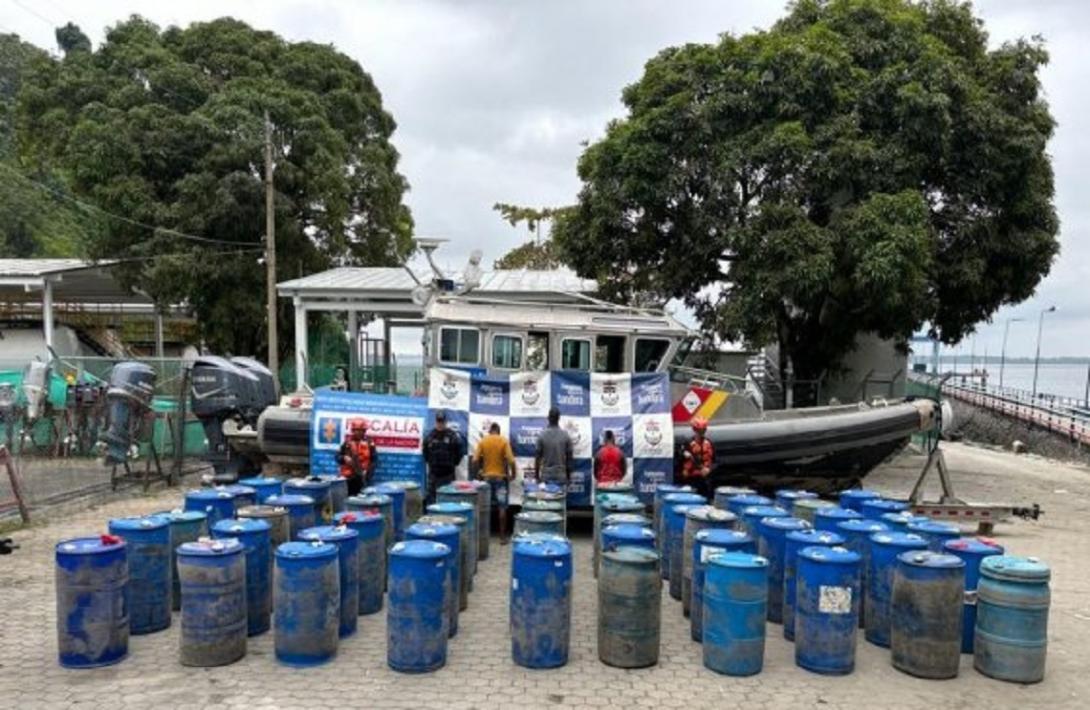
x: 683, y: 349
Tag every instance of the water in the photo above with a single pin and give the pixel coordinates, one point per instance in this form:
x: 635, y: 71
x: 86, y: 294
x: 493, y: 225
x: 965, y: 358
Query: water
x: 1060, y: 379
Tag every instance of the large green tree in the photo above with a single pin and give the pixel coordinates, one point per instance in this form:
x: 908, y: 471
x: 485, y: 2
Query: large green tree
x: 861, y: 166
x: 166, y: 128
x: 541, y: 252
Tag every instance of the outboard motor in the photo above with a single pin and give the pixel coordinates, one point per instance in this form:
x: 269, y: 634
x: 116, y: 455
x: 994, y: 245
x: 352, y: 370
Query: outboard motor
x: 222, y: 392
x: 9, y: 411
x: 266, y: 391
x: 128, y: 400
x: 36, y: 377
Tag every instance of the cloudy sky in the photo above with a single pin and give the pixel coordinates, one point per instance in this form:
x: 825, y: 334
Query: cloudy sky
x: 493, y: 99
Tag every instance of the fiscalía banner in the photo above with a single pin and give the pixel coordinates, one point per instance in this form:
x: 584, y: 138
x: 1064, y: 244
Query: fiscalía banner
x: 394, y: 423
x: 636, y: 407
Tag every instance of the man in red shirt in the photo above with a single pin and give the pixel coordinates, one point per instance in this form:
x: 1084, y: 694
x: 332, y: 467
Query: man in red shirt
x: 609, y: 462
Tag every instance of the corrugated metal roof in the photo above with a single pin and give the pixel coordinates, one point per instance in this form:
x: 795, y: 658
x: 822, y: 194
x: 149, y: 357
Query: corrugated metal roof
x: 347, y: 279
x: 31, y: 268
x: 562, y: 317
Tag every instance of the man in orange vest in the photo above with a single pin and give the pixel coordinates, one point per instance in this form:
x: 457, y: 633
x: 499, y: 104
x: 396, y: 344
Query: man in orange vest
x: 357, y: 458
x: 698, y: 458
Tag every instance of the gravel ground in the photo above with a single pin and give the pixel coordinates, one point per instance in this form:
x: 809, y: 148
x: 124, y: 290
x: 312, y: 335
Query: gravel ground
x: 480, y: 674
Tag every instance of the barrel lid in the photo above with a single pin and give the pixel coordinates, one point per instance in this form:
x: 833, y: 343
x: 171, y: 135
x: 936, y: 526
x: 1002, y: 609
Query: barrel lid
x: 259, y: 481
x: 335, y: 479
x: 217, y: 493
x: 625, y: 519
x: 358, y: 518
x: 289, y: 499
x: 899, y: 518
x: 927, y: 558
x: 747, y: 499
x: 866, y: 527
x: 1016, y: 568
x: 683, y: 508
x: 378, y: 500
x: 262, y: 511
x: 738, y: 560
x: 896, y: 538
x: 314, y: 482
x: 542, y: 546
x: 729, y: 491
x: 784, y: 523
x: 837, y: 513
x: 450, y: 507
x: 663, y: 489
x: 933, y: 527
x: 546, y: 486
x: 545, y: 504
x: 540, y: 516
x: 544, y: 496
x: 885, y: 504
x: 973, y: 546
x: 795, y: 494
x: 832, y: 555
x: 860, y: 494
x: 182, y: 516
x: 626, y: 505
x: 138, y: 522
x: 721, y: 536
x: 764, y: 511
x: 420, y: 549
x: 453, y: 489
x: 630, y: 554
x: 429, y: 530
x: 710, y: 514
x: 237, y: 489
x: 629, y: 532
x: 407, y: 485
x: 210, y: 548
x: 328, y: 533
x: 90, y: 545
x: 240, y: 526
x: 456, y: 520
x: 811, y: 536
x: 540, y: 536
x: 683, y: 498
x: 308, y: 550
x: 815, y: 503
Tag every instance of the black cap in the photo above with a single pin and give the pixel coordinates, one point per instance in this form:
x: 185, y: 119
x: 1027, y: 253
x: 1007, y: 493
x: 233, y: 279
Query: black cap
x: 441, y: 416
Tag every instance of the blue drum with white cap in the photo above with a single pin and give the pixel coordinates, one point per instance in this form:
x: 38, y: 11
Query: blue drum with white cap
x: 348, y: 568
x: 827, y: 609
x: 794, y: 541
x: 214, y: 601
x: 885, y: 547
x: 787, y: 497
x: 300, y: 512
x: 735, y: 596
x: 1012, y: 618
x: 307, y: 600
x: 263, y: 487
x: 737, y: 503
x: 447, y: 535
x: 540, y: 605
x: 875, y: 509
x: 772, y: 545
x: 91, y: 578
x: 972, y: 551
x: 829, y: 517
x: 417, y: 622
x: 150, y: 589
x: 316, y: 488
x: 706, y: 544
x: 936, y: 533
x: 854, y: 498
x: 857, y: 535
x: 925, y: 614
x: 663, y: 522
x: 254, y: 534
x: 216, y: 503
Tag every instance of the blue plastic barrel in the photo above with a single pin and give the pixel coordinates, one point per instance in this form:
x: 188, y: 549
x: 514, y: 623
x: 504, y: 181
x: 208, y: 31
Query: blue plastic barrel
x: 885, y: 547
x: 307, y: 603
x: 830, y: 517
x: 972, y: 551
x: 216, y: 503
x: 735, y: 600
x: 772, y: 546
x: 630, y: 519
x: 614, y: 536
x: 91, y: 579
x: 379, y: 503
x: 899, y: 522
x: 787, y: 497
x: 540, y: 605
x: 446, y: 535
x: 370, y: 527
x: 723, y: 494
x: 397, y: 505
x: 185, y: 526
x: 539, y: 521
x: 925, y: 614
x: 348, y: 569
x: 827, y: 609
x: 317, y: 489
x: 264, y: 487
x: 661, y: 491
x: 706, y: 543
x: 857, y: 539
x: 467, y: 512
x: 1012, y: 618
x: 300, y: 511
x: 254, y: 535
x: 464, y: 492
x: 150, y: 589
x: 935, y: 533
x: 629, y: 607
x: 611, y: 504
x: 737, y: 503
x: 462, y: 524
x: 806, y: 508
x: 875, y: 509
x: 244, y: 495
x: 793, y: 542
x: 214, y: 601
x: 753, y: 514
x: 338, y: 491
x: 279, y: 525
x: 854, y: 498
x: 684, y: 497
x: 416, y: 617
x: 675, y: 537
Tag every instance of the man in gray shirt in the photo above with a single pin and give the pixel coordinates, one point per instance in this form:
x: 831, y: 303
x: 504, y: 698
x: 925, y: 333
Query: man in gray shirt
x: 553, y: 460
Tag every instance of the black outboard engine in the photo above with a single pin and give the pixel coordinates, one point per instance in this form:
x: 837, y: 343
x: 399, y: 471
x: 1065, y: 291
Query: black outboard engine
x: 128, y: 400
x: 36, y: 377
x: 222, y: 392
x: 266, y: 391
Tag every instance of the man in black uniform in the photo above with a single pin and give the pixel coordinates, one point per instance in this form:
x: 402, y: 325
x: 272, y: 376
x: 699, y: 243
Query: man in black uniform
x: 443, y: 449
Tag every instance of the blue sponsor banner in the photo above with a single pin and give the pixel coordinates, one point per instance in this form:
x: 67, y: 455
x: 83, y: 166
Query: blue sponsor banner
x: 649, y: 473
x: 490, y: 396
x: 395, y: 424
x: 650, y: 394
x: 571, y: 393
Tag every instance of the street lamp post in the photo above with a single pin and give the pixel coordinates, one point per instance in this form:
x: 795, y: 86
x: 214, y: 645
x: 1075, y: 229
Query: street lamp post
x: 1037, y: 358
x: 1003, y: 353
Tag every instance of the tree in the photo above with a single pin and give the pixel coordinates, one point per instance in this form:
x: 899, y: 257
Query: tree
x: 862, y: 166
x: 539, y: 253
x: 165, y: 128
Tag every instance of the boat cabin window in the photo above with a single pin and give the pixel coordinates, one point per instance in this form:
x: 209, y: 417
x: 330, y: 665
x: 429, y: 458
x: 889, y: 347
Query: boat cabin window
x: 649, y: 353
x: 537, y: 352
x: 459, y: 346
x: 575, y: 354
x: 507, y: 352
x: 682, y: 353
x: 609, y: 354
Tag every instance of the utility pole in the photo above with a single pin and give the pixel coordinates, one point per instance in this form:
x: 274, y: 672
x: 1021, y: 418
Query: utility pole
x: 1037, y: 357
x: 270, y: 252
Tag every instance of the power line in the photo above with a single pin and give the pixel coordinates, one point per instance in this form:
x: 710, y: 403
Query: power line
x: 120, y: 218
x: 35, y: 13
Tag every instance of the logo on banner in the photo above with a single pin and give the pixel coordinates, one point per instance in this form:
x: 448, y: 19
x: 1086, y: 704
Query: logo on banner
x: 330, y: 430
x: 574, y: 433
x: 652, y: 434
x: 490, y: 394
x: 449, y: 388
x: 610, y: 396
x: 530, y: 392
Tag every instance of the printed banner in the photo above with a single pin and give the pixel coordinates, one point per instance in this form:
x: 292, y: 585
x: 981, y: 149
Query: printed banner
x: 635, y: 407
x: 395, y: 424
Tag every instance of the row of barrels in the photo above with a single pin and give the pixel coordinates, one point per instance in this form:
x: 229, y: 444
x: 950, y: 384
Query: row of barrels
x: 292, y: 556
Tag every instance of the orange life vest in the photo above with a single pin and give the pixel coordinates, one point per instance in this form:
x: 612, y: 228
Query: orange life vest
x: 362, y: 449
x: 702, y: 456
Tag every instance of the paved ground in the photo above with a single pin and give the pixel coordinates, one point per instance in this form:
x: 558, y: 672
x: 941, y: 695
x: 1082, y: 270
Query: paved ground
x: 480, y: 673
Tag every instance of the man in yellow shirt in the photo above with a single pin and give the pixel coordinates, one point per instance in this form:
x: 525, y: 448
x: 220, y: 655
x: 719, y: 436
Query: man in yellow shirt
x: 496, y: 466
